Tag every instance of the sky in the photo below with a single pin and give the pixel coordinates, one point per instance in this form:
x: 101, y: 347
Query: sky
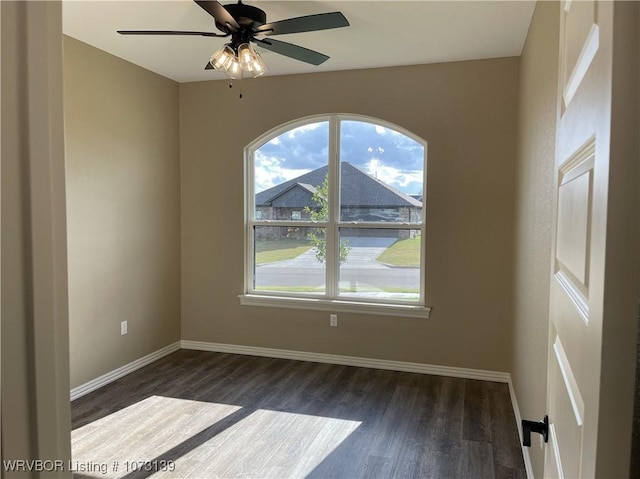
x: 381, y: 152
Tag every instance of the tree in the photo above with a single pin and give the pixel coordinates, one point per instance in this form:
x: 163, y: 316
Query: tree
x: 317, y: 237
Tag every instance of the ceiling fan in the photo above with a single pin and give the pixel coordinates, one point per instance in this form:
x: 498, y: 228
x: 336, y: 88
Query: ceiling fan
x: 246, y: 24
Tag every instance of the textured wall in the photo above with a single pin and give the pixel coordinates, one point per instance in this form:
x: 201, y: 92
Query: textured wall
x: 467, y: 111
x: 534, y: 213
x: 123, y: 206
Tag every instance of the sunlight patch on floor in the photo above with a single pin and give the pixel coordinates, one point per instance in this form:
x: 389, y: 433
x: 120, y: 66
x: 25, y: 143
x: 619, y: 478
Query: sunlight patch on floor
x: 179, y: 433
x: 266, y: 444
x: 116, y: 444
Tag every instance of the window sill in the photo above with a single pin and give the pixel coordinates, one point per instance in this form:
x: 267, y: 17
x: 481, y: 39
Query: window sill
x: 334, y: 305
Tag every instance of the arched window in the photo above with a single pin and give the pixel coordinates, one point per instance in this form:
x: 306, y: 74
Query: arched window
x: 334, y: 217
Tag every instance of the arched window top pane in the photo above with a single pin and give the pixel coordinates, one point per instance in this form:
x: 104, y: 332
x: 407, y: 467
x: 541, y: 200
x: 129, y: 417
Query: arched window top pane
x: 382, y: 174
x: 384, y: 153
x: 291, y: 154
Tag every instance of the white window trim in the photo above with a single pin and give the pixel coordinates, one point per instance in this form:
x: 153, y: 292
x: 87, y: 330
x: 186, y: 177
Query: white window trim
x: 326, y: 302
x: 335, y: 305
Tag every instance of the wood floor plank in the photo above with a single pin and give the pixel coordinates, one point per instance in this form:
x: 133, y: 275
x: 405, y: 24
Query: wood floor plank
x: 415, y: 447
x: 443, y: 463
x: 358, y: 397
x: 477, y: 460
x: 226, y: 415
x: 477, y: 413
x: 505, y: 439
x: 446, y: 428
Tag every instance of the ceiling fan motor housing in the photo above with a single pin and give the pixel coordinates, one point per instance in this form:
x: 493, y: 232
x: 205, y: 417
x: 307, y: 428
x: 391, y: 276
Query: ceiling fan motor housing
x: 245, y: 15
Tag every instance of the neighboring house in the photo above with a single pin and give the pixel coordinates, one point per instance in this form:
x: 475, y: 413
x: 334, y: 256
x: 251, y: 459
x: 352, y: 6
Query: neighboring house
x: 363, y: 198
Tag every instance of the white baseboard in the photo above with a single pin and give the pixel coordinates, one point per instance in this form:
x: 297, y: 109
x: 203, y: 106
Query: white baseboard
x: 105, y: 379
x: 525, y: 450
x: 465, y: 373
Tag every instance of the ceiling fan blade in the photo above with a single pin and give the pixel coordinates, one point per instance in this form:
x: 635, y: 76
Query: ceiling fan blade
x: 217, y: 11
x: 293, y: 51
x: 308, y: 23
x: 169, y: 32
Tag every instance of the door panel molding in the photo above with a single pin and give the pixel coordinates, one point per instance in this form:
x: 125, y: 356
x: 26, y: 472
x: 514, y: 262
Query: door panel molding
x: 569, y: 435
x: 577, y: 298
x: 579, y: 43
x: 573, y: 225
x: 574, y: 218
x: 587, y: 54
x: 573, y: 390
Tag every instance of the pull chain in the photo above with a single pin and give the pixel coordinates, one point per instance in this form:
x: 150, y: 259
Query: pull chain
x: 231, y: 86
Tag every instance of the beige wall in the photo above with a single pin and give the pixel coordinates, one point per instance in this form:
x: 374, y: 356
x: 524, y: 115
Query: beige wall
x: 123, y: 206
x: 534, y: 202
x: 35, y: 350
x: 466, y: 111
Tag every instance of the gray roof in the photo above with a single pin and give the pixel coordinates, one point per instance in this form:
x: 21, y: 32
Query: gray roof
x: 358, y: 189
x: 293, y: 196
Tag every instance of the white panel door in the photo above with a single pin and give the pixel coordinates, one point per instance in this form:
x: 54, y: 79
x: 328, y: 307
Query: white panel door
x: 578, y: 254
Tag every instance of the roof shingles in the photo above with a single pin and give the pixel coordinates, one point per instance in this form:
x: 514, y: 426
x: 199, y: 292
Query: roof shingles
x: 358, y: 189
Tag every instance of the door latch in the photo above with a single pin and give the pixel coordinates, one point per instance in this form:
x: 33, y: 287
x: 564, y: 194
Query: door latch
x: 541, y: 427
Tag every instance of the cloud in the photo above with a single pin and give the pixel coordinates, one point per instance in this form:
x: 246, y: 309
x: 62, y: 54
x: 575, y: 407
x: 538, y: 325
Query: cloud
x: 305, y: 128
x: 361, y: 141
x: 268, y: 172
x: 305, y: 147
x: 407, y: 181
x: 395, y: 158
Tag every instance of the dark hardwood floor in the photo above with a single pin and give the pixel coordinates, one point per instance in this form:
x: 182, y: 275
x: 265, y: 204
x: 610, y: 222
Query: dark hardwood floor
x: 202, y: 415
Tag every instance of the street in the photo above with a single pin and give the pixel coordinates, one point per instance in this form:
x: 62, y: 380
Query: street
x: 361, y: 272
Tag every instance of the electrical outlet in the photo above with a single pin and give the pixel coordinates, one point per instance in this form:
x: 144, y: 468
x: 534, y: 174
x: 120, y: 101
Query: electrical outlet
x: 333, y: 320
x: 123, y: 328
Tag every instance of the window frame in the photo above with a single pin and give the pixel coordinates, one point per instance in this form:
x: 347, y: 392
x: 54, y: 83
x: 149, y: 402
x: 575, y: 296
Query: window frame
x: 331, y: 299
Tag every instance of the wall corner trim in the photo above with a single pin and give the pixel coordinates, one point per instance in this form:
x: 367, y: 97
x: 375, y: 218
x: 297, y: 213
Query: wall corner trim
x: 105, y: 379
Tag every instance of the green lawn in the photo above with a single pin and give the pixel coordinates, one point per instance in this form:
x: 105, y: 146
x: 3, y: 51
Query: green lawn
x: 404, y: 252
x: 279, y: 250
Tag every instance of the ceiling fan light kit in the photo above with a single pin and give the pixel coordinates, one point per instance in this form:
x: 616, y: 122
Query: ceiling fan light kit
x: 244, y: 23
x: 238, y: 63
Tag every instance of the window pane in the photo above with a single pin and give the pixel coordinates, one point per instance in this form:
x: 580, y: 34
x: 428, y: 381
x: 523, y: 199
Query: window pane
x: 289, y: 174
x: 289, y: 259
x: 381, y: 174
x: 380, y: 263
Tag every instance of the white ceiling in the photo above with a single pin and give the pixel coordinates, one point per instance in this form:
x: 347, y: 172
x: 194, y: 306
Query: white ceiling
x: 382, y: 33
